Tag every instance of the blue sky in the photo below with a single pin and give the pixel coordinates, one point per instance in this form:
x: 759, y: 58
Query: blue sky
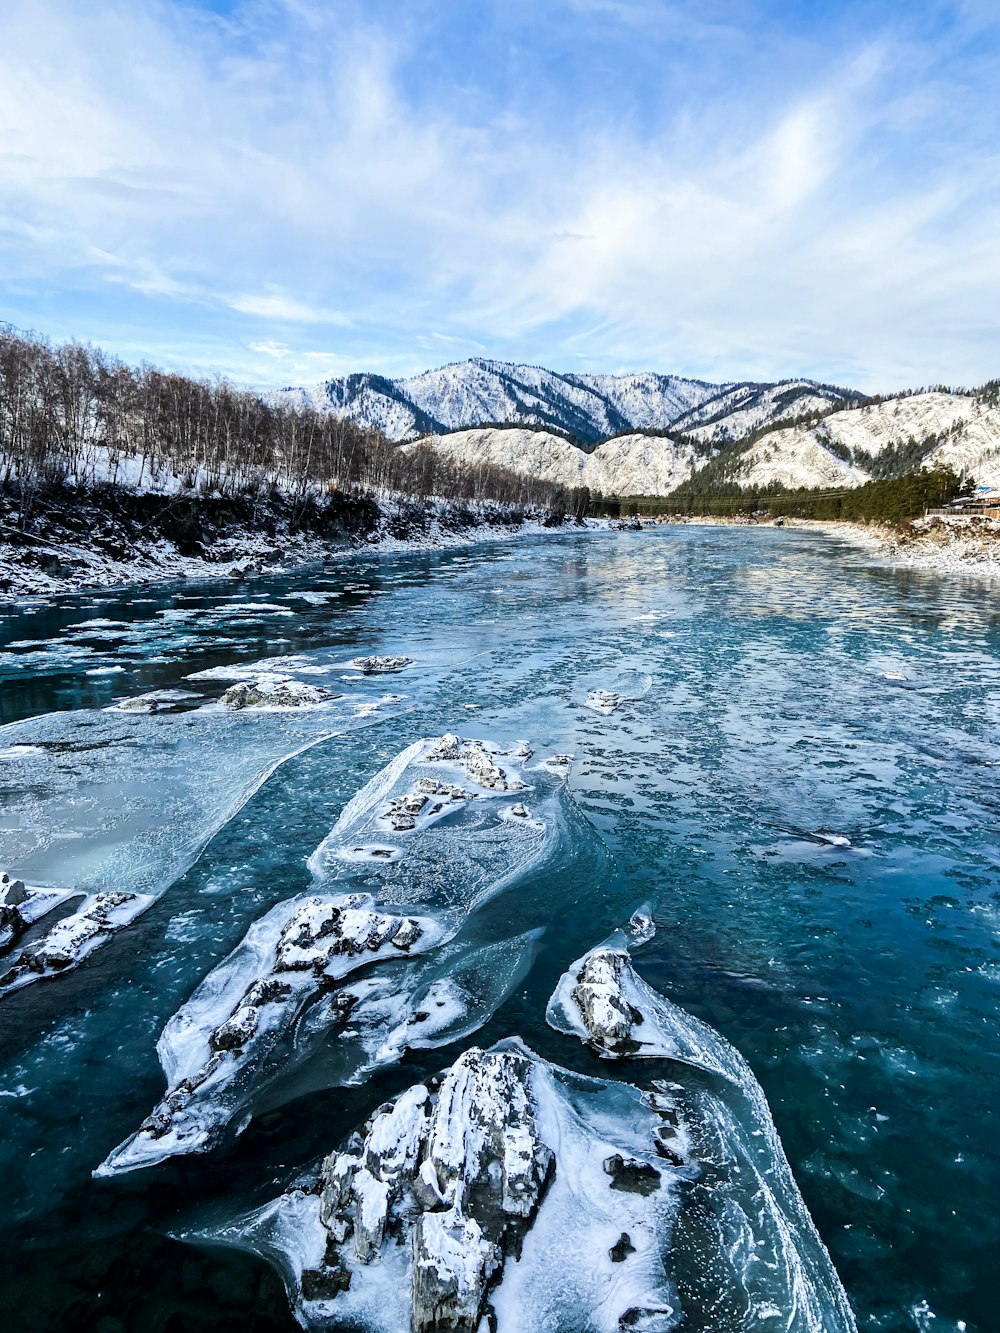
x: 280, y: 190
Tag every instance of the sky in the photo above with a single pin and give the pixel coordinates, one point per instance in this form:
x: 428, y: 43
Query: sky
x: 283, y: 190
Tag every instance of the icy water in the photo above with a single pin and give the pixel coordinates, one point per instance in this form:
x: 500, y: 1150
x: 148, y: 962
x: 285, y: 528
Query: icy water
x: 778, y: 692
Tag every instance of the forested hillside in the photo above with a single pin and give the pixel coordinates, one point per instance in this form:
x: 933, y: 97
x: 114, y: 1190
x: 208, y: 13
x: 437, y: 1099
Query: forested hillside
x: 71, y: 413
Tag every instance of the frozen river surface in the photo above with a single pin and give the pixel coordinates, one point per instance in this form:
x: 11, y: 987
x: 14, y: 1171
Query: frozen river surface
x: 789, y: 754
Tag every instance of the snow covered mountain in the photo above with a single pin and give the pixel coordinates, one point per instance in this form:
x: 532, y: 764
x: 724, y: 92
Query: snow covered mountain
x: 846, y: 448
x: 588, y: 407
x: 960, y: 431
x: 739, y: 409
x: 481, y: 411
x: 627, y: 465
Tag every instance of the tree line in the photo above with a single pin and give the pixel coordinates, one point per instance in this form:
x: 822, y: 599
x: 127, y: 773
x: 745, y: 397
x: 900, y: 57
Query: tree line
x: 70, y: 412
x: 891, y: 500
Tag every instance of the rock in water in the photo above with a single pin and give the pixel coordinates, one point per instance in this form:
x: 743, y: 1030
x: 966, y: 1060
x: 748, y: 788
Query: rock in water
x: 72, y: 938
x: 333, y: 970
x: 274, y: 692
x: 239, y: 1020
x: 479, y: 1200
x: 746, y: 1214
x: 381, y: 666
x: 599, y: 994
x: 21, y: 906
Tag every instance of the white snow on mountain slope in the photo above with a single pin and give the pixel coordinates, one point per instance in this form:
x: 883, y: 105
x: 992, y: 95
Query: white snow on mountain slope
x: 796, y: 460
x: 628, y: 465
x: 367, y: 399
x: 738, y: 409
x: 639, y: 465
x: 477, y: 391
x: 648, y: 401
x: 839, y: 449
x: 534, y: 453
x: 591, y: 407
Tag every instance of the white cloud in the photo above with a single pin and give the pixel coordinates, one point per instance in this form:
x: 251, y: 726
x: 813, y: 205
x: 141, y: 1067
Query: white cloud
x: 237, y: 183
x: 273, y: 349
x: 284, y: 309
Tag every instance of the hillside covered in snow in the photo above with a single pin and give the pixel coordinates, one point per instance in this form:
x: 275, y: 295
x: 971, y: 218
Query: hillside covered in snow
x: 843, y: 448
x: 633, y: 464
x: 890, y: 438
x: 587, y: 407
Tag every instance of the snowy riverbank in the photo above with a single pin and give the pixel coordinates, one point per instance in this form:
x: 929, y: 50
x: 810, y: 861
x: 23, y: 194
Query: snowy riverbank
x: 952, y: 546
x: 75, y: 540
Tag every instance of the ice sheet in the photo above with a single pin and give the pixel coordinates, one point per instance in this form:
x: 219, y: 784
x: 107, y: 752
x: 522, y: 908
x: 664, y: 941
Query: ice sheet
x: 450, y: 859
x: 124, y: 802
x: 767, y: 1259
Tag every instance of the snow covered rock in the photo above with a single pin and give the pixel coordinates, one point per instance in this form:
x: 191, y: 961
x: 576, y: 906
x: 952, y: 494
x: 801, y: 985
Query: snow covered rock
x: 599, y: 995
x: 158, y: 701
x: 70, y: 941
x: 381, y: 666
x: 242, y: 1017
x: 274, y: 692
x: 22, y: 905
x: 481, y: 1200
x: 751, y: 1217
x: 333, y: 969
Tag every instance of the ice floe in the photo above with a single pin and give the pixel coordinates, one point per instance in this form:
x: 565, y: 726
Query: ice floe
x: 602, y: 701
x: 121, y: 823
x: 429, y: 782
x: 222, y: 1049
x: 241, y: 1018
x: 767, y: 1260
x: 508, y: 1194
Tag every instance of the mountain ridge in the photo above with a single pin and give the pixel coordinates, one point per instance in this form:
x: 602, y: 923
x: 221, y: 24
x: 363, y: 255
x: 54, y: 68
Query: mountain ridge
x: 839, y: 448
x: 589, y: 407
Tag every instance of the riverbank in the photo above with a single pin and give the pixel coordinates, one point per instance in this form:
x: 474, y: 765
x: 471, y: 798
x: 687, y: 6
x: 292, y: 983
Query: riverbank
x: 951, y: 546
x: 72, y: 539
x: 940, y: 546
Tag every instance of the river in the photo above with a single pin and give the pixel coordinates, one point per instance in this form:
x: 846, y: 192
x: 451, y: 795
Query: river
x: 801, y: 778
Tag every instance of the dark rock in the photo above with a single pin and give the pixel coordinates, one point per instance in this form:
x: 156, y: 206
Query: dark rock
x: 14, y: 893
x: 622, y: 1248
x: 631, y: 1176
x: 324, y: 1284
x: 658, y: 1319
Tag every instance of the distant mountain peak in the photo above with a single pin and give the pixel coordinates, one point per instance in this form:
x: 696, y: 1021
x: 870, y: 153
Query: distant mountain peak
x: 589, y: 407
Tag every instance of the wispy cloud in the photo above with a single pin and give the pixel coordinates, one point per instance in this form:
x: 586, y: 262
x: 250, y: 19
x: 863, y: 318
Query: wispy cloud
x: 722, y: 189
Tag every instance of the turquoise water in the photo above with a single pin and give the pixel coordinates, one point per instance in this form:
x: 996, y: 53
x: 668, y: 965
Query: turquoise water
x: 860, y: 982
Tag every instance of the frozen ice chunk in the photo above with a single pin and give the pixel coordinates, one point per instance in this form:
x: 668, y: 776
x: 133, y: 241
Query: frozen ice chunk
x: 128, y: 817
x: 463, y: 786
x: 768, y: 1258
x: 237, y: 1029
x: 485, y: 1196
x: 602, y: 701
